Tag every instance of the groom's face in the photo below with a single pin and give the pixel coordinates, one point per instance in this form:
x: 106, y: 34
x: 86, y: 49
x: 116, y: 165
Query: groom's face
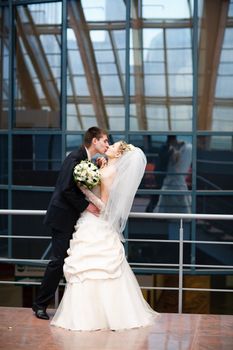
x: 101, y: 144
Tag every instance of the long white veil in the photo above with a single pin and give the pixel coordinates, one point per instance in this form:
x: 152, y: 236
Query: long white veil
x: 130, y: 168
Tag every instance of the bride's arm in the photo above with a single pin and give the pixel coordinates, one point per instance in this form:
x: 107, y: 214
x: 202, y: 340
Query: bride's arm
x: 92, y: 198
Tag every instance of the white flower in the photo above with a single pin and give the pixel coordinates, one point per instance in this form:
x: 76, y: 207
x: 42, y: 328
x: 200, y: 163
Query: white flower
x: 86, y: 174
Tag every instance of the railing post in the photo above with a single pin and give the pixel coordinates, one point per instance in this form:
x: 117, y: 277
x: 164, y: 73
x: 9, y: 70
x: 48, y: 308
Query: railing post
x: 181, y: 267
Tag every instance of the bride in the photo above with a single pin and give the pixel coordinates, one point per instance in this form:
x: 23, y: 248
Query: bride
x: 102, y: 291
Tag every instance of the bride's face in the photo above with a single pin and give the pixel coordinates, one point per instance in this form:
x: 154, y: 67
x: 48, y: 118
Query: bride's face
x: 114, y: 150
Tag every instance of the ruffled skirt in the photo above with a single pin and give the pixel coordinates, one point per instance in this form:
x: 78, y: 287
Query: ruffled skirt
x: 102, y: 291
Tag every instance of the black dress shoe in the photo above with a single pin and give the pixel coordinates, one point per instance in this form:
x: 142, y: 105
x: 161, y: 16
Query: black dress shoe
x: 40, y: 313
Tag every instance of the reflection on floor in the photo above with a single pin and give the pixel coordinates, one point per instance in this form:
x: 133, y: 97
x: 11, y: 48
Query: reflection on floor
x: 20, y: 329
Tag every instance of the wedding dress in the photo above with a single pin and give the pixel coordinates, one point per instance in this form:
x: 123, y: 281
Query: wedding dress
x: 101, y: 291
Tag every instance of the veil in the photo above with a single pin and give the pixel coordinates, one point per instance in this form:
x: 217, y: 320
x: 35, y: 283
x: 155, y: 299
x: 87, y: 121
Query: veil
x: 129, y: 170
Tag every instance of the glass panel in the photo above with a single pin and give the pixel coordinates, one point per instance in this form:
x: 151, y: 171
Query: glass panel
x: 102, y: 10
x: 36, y: 159
x: 214, y: 163
x: 3, y: 224
x: 3, y: 159
x: 38, y: 66
x: 218, y: 204
x: 158, y: 252
x: 4, y: 66
x: 116, y: 115
x: 158, y: 124
x: 161, y: 67
x: 96, y: 65
x: 181, y: 117
x: 167, y: 10
x: 30, y: 225
x: 147, y: 251
x: 230, y: 9
x: 215, y: 230
x: 215, y: 72
x: 73, y: 142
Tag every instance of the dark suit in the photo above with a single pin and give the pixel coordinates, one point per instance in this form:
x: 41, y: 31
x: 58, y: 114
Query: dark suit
x: 64, y: 209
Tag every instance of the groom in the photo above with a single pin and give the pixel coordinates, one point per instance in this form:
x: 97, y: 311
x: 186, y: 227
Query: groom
x: 65, y: 207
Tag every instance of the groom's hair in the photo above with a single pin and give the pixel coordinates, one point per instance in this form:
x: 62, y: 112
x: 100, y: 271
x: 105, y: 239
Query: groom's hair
x: 91, y: 133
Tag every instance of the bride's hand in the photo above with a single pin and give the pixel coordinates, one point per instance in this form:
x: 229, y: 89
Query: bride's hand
x: 93, y: 209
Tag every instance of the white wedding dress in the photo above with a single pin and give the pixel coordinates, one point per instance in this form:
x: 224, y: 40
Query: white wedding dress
x: 101, y: 291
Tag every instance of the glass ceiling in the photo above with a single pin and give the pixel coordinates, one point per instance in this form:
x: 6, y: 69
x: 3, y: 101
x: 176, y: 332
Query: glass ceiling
x: 161, y: 79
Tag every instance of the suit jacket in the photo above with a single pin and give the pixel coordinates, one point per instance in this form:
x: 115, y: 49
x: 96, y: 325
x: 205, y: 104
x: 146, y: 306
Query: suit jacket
x: 67, y: 201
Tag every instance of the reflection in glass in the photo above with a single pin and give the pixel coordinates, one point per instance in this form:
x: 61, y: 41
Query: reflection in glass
x: 96, y: 65
x: 38, y: 65
x: 169, y: 161
x: 215, y: 71
x: 4, y: 66
x: 172, y: 173
x: 161, y: 66
x: 215, y: 163
x: 169, y: 168
x: 36, y: 159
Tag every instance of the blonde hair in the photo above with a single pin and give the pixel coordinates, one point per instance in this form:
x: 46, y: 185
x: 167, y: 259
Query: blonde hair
x: 125, y: 147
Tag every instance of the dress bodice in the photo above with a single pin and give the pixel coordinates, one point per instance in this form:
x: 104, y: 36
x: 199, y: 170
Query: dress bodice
x: 107, y: 176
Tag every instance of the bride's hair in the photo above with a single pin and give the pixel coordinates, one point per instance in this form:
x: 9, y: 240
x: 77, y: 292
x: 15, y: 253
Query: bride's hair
x: 125, y: 147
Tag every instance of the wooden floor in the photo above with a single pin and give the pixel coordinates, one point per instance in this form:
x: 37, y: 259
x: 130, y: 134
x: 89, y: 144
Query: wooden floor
x: 20, y: 329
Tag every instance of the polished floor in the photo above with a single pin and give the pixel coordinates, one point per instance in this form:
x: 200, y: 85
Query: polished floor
x: 20, y: 329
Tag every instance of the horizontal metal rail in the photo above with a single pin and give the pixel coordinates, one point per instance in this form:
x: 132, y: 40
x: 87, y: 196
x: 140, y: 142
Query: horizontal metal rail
x: 179, y: 216
x: 142, y: 287
x: 27, y: 237
x: 135, y: 215
x: 21, y: 212
x: 130, y: 240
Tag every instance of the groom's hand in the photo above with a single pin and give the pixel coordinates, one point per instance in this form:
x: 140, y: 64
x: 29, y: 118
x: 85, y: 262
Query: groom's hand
x: 101, y: 162
x: 93, y: 209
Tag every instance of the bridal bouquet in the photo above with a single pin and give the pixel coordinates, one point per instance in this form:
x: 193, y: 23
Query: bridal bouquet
x: 86, y: 174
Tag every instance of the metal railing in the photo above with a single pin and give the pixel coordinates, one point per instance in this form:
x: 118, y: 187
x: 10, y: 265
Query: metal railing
x: 180, y: 266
